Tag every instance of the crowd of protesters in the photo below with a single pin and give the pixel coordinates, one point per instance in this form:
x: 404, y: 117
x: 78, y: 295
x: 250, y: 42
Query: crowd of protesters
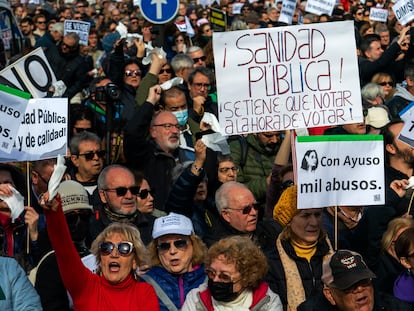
x: 147, y: 217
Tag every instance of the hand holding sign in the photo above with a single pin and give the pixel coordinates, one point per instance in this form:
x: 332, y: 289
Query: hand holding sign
x: 59, y: 170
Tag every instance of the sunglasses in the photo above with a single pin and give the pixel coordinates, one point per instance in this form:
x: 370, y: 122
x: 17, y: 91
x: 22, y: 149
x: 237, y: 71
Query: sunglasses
x: 121, y: 191
x: 41, y: 22
x: 197, y: 59
x: 178, y: 244
x: 74, y: 217
x: 90, y: 155
x: 363, y: 283
x: 130, y: 73
x: 124, y: 248
x: 168, y: 70
x: 143, y: 194
x: 247, y: 209
x: 81, y: 129
x: 389, y: 83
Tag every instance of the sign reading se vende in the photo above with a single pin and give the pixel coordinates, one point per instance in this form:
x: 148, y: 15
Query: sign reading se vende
x: 272, y: 79
x: 340, y: 170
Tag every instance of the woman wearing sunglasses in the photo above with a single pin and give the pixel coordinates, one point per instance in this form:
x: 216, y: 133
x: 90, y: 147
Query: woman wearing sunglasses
x: 119, y: 251
x: 236, y: 268
x: 177, y: 259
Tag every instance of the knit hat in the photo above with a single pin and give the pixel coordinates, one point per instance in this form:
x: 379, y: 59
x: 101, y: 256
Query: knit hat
x: 74, y: 196
x: 172, y: 224
x: 287, y: 206
x: 109, y: 40
x: 344, y: 269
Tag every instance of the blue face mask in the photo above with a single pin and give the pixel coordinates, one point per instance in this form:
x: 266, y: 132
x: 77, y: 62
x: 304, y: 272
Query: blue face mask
x: 182, y: 116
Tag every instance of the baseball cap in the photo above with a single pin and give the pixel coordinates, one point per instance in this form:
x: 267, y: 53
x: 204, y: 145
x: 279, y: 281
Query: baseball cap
x: 172, y: 224
x: 377, y: 117
x: 344, y: 269
x: 73, y: 196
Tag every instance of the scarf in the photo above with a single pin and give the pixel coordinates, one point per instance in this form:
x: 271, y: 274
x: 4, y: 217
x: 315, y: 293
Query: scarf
x: 115, y: 217
x: 295, y: 291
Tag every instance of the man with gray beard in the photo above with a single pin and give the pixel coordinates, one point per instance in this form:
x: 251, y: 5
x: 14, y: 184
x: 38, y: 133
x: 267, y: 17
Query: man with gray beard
x: 118, y: 192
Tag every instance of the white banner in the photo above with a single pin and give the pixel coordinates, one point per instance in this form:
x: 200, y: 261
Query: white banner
x: 288, y: 9
x: 404, y: 11
x: 320, y: 7
x: 42, y: 133
x: 13, y: 104
x: 272, y: 79
x: 30, y: 73
x: 340, y: 170
x: 378, y: 15
x: 79, y: 27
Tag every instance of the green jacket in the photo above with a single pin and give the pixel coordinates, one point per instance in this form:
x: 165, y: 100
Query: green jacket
x: 257, y: 167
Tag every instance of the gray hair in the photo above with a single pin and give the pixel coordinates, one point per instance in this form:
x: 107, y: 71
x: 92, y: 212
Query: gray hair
x: 193, y: 49
x: 78, y: 139
x: 74, y: 36
x: 371, y: 90
x: 203, y: 70
x: 238, y: 24
x: 223, y: 194
x: 181, y: 61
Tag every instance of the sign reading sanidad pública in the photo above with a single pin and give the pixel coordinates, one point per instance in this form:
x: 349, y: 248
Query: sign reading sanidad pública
x: 345, y: 170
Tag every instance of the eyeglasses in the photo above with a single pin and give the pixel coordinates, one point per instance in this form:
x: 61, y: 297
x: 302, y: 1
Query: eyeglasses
x: 202, y: 85
x: 41, y: 178
x: 81, y: 129
x: 168, y: 126
x: 389, y: 83
x: 124, y: 248
x: 178, y: 244
x: 363, y: 283
x: 168, y: 70
x: 225, y: 278
x: 41, y: 22
x: 70, y: 47
x: 143, y: 194
x: 228, y: 169
x: 247, y: 209
x: 121, y: 191
x: 135, y: 73
x: 74, y: 217
x: 197, y: 59
x: 90, y: 155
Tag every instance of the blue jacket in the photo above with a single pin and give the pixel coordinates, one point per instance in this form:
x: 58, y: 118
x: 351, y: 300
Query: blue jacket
x: 16, y: 292
x: 176, y: 286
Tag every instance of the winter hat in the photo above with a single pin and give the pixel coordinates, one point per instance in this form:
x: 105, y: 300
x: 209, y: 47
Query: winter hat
x: 73, y: 196
x: 287, y: 206
x: 377, y: 117
x: 109, y: 40
x: 172, y: 224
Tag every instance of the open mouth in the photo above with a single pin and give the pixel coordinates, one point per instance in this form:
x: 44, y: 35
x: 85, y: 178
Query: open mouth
x: 114, y: 267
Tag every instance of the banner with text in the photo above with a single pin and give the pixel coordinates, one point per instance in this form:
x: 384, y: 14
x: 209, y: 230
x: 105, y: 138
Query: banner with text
x: 378, y: 15
x: 30, y: 73
x: 272, y: 79
x: 42, y: 133
x: 13, y: 104
x: 288, y: 9
x: 407, y: 133
x: 344, y: 170
x: 404, y: 11
x: 79, y: 27
x: 320, y: 7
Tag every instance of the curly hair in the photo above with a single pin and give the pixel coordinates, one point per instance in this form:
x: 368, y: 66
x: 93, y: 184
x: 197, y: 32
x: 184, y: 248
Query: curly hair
x: 199, y: 251
x: 245, y: 255
x: 130, y: 233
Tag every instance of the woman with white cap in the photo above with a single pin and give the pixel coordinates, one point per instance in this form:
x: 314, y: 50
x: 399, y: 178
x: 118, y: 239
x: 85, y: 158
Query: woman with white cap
x: 177, y: 259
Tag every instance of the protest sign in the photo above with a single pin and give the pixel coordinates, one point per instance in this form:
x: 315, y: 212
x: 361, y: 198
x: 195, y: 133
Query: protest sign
x: 407, y: 133
x: 288, y: 9
x: 378, y: 15
x: 272, y: 79
x: 42, y: 133
x: 344, y: 170
x: 30, y: 73
x: 320, y: 7
x: 404, y: 11
x: 13, y: 104
x: 218, y: 19
x: 79, y: 27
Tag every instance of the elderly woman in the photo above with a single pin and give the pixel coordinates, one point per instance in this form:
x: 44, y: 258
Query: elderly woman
x: 119, y: 251
x: 295, y: 262
x: 177, y: 257
x: 235, y: 269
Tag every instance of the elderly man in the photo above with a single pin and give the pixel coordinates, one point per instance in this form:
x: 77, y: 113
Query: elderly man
x: 197, y: 55
x: 348, y: 287
x: 238, y: 213
x: 199, y: 84
x: 118, y: 191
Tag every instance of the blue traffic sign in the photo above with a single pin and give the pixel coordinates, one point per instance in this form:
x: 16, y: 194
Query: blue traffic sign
x: 159, y: 11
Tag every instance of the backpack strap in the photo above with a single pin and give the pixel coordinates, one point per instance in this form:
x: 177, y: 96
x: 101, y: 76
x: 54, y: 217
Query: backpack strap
x: 160, y: 292
x: 33, y: 273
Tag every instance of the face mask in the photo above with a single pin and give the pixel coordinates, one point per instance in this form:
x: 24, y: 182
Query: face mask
x: 182, y: 116
x: 222, y: 291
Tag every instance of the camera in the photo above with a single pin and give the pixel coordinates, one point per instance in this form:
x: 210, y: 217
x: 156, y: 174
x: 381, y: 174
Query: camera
x: 107, y: 93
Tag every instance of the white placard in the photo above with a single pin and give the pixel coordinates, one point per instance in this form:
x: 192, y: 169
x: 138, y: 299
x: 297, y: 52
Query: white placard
x: 272, y: 79
x: 320, y: 7
x: 407, y: 133
x: 288, y: 9
x: 340, y: 170
x: 404, y: 11
x: 30, y: 73
x: 378, y: 15
x: 79, y: 27
x: 42, y: 133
